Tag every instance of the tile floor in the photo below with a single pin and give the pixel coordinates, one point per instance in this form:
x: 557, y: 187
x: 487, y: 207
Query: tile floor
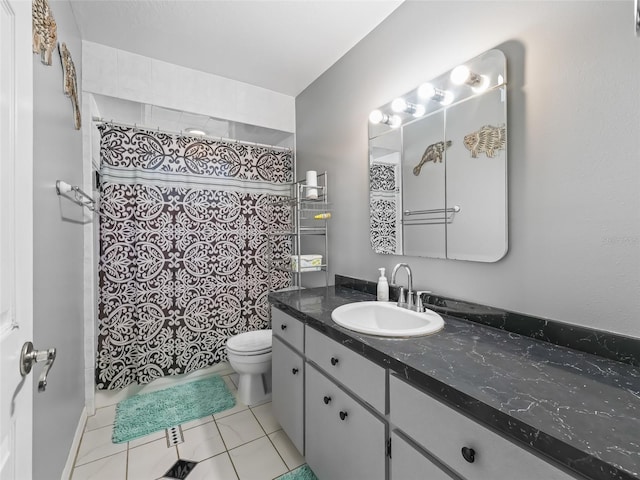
x: 242, y: 443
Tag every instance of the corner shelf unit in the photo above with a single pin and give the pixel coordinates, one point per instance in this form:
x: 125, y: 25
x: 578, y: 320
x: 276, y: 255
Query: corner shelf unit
x: 308, y: 211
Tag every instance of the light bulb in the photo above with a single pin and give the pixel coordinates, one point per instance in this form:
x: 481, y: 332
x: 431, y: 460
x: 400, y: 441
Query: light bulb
x: 460, y: 74
x: 394, y: 121
x: 195, y: 131
x: 376, y: 116
x: 399, y: 105
x: 482, y: 84
x: 426, y: 90
x: 419, y: 111
x: 447, y: 98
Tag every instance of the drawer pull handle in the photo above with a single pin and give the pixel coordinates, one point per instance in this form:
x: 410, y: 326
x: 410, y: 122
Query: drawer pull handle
x: 469, y: 454
x: 327, y: 400
x: 283, y: 326
x: 343, y: 415
x: 334, y: 361
x: 294, y: 370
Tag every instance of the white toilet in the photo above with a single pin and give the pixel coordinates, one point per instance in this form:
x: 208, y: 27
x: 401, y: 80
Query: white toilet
x: 250, y: 356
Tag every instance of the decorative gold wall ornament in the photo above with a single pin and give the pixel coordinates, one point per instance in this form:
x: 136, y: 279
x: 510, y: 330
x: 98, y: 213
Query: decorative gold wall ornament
x: 70, y: 82
x: 433, y: 153
x: 486, y: 140
x: 45, y: 30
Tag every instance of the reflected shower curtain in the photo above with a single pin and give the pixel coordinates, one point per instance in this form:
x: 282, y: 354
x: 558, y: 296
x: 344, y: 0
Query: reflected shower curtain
x: 183, y: 249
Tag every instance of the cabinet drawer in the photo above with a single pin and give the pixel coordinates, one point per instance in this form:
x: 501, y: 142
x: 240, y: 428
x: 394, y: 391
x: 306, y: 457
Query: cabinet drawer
x: 361, y: 376
x: 443, y: 432
x: 344, y: 440
x: 407, y: 462
x: 289, y: 329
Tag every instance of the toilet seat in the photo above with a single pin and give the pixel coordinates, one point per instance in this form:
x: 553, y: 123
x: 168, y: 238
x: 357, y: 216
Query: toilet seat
x: 249, y: 354
x: 257, y: 342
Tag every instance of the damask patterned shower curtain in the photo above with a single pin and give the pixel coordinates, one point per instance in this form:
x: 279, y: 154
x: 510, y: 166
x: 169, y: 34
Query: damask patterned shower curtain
x: 183, y: 249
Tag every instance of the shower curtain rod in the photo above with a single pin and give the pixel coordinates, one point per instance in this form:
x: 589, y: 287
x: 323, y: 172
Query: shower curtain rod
x: 101, y: 120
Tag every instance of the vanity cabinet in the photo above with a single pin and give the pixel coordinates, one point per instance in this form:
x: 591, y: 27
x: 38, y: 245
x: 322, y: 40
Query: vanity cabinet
x: 344, y: 439
x: 463, y: 445
x: 288, y: 376
x: 340, y: 409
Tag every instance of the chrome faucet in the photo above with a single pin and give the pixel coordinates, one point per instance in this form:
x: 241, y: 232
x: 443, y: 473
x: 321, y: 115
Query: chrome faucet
x: 404, y: 302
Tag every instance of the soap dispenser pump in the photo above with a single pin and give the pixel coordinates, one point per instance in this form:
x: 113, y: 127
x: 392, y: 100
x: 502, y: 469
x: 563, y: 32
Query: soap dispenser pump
x: 383, y: 287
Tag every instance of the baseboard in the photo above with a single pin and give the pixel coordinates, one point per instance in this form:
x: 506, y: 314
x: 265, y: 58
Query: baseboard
x: 73, y: 451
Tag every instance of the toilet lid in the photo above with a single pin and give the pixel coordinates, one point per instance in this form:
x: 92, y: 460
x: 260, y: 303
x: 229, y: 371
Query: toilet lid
x: 258, y: 341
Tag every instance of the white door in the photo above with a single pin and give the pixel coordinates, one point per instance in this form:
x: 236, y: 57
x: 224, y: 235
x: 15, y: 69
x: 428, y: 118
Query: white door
x: 16, y: 236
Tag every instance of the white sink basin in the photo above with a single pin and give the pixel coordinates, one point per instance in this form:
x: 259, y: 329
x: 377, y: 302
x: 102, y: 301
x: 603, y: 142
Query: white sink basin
x: 386, y: 319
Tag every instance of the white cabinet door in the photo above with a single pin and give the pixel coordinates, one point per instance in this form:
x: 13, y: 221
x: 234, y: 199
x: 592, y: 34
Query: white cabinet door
x: 408, y: 463
x: 344, y: 440
x: 288, y: 391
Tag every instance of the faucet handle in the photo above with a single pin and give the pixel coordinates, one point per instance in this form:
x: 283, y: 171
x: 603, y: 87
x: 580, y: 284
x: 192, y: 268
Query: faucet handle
x: 419, y: 304
x: 402, y: 297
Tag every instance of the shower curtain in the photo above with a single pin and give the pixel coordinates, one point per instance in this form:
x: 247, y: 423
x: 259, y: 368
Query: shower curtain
x: 183, y: 249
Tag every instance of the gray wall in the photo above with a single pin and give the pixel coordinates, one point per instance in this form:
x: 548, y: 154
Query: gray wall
x: 58, y: 256
x: 574, y: 111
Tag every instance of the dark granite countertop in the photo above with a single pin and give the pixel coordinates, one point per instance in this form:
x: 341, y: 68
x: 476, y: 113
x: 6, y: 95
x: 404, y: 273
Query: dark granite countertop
x: 580, y: 410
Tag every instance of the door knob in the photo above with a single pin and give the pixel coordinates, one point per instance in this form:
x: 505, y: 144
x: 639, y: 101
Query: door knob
x: 29, y: 356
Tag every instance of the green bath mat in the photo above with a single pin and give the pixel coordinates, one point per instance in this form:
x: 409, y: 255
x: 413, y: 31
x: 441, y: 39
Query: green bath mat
x: 300, y: 473
x: 146, y: 413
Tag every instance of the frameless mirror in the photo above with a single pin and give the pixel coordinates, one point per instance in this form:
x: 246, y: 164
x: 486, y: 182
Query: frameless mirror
x: 438, y: 166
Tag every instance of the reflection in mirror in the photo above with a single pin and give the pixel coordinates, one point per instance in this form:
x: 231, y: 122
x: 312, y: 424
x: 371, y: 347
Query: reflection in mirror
x: 423, y: 187
x: 437, y: 166
x: 384, y: 193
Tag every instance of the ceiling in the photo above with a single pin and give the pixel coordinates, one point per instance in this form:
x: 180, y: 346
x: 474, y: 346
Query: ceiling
x: 278, y: 45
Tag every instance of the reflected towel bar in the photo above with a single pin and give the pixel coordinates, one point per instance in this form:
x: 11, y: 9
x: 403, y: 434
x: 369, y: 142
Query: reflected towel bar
x: 434, y: 221
x: 78, y: 196
x: 454, y: 209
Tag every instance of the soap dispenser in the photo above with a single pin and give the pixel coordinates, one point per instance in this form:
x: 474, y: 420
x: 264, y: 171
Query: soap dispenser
x: 383, y: 287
